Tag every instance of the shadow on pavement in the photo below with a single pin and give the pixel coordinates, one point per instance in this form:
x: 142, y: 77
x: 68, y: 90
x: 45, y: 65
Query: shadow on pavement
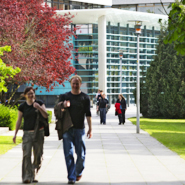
x: 99, y: 183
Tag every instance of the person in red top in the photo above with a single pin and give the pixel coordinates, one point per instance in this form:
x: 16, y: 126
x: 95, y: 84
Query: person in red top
x: 119, y: 113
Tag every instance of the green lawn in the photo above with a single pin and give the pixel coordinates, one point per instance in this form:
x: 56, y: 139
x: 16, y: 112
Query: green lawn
x: 170, y: 132
x: 6, y: 143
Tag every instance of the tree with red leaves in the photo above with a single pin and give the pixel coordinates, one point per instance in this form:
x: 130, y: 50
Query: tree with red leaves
x: 40, y: 42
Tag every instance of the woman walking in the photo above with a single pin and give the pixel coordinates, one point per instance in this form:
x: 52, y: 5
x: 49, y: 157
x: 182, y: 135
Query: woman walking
x: 28, y: 110
x: 119, y: 112
x: 123, y: 107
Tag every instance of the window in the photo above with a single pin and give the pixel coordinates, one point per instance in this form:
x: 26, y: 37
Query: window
x: 154, y: 8
x: 123, y: 31
x: 133, y: 45
x: 149, y: 8
x: 125, y: 7
x: 160, y: 10
x: 55, y: 5
x: 149, y: 33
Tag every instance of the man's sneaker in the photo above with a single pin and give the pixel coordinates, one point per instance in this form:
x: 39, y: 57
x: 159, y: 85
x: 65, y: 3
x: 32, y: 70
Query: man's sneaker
x: 27, y: 182
x: 71, y: 182
x: 78, y: 177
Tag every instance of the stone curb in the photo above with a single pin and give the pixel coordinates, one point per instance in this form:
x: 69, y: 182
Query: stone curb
x: 3, y: 130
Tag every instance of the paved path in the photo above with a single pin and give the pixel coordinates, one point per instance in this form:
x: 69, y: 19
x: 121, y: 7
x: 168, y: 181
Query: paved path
x: 116, y: 155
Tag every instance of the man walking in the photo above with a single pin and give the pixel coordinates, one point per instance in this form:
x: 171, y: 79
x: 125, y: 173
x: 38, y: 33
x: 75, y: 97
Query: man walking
x: 102, y: 104
x: 78, y: 104
x: 99, y: 97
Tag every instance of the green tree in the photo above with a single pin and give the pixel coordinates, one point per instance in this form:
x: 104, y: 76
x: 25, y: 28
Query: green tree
x: 143, y: 93
x: 176, y: 29
x: 165, y: 88
x: 6, y: 71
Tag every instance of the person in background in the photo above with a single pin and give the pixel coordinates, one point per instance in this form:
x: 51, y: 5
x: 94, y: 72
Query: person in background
x: 122, y: 101
x: 108, y: 105
x: 102, y: 104
x: 27, y: 110
x: 99, y: 97
x: 97, y: 94
x: 119, y: 112
x: 6, y: 102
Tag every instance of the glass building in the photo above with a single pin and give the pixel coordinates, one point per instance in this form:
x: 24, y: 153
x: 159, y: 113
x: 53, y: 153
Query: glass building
x: 103, y: 32
x: 152, y: 6
x: 117, y: 37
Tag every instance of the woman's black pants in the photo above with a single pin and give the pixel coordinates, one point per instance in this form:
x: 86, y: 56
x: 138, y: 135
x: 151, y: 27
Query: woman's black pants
x: 123, y: 115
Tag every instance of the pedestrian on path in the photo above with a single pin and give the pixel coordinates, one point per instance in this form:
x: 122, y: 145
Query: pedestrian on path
x: 98, y: 93
x: 99, y: 97
x: 78, y: 104
x: 102, y: 104
x: 119, y: 113
x: 27, y: 110
x: 123, y: 107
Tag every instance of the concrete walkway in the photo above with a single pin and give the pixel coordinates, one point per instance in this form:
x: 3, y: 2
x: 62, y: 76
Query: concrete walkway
x: 116, y: 155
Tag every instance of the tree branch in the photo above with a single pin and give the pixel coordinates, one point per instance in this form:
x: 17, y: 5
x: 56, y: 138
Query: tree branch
x: 13, y: 94
x: 164, y: 8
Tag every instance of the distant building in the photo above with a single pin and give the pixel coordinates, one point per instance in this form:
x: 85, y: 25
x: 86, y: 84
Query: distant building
x: 82, y: 4
x: 149, y: 6
x: 104, y: 31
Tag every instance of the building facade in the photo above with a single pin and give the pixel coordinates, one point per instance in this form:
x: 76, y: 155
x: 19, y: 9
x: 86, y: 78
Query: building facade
x: 82, y: 4
x: 149, y: 6
x: 103, y: 32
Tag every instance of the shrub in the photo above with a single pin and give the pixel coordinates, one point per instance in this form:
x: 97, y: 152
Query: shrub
x: 50, y: 116
x: 8, y: 117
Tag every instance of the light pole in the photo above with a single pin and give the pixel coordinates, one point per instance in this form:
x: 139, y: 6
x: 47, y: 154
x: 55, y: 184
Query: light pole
x: 138, y: 24
x: 121, y: 56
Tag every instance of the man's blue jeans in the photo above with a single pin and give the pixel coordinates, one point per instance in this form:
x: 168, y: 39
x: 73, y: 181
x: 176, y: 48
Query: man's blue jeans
x: 74, y: 138
x: 103, y: 115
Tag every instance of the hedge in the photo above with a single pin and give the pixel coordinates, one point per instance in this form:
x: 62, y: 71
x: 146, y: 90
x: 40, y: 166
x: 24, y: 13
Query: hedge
x: 8, y: 117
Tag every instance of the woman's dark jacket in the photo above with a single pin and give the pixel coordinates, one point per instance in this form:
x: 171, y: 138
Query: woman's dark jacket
x: 63, y: 119
x: 44, y: 121
x: 122, y: 102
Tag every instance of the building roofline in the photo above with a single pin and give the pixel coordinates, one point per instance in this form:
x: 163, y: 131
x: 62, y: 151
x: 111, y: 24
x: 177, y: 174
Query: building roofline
x: 114, y: 16
x: 99, y: 2
x: 125, y: 2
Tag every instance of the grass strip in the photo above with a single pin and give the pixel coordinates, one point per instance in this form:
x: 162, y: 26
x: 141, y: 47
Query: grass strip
x: 170, y: 132
x: 6, y: 143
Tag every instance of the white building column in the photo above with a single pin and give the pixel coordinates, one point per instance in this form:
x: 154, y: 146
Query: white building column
x: 102, y: 54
